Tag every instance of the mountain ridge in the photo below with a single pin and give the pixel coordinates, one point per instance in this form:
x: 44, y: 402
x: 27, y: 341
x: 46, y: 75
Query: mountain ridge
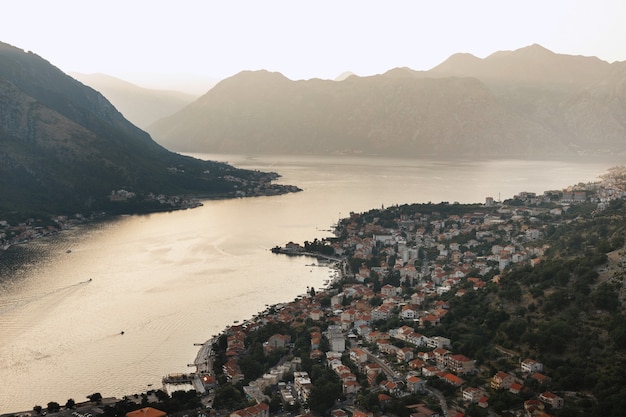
x: 65, y: 148
x: 510, y: 104
x: 142, y: 106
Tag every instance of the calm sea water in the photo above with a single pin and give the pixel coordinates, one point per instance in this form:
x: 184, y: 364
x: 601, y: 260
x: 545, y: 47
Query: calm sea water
x: 170, y: 280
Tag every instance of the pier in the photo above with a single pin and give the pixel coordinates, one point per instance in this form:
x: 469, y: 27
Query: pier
x: 204, y: 359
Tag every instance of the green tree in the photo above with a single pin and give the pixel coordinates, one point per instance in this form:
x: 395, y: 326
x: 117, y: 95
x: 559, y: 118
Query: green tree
x: 95, y: 397
x: 227, y: 396
x: 605, y: 297
x: 53, y: 407
x: 323, y: 396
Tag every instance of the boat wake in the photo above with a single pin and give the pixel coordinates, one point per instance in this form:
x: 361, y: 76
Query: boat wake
x: 8, y: 305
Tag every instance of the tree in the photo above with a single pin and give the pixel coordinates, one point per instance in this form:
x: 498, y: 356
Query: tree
x: 605, y: 297
x: 53, y: 407
x: 227, y: 396
x: 37, y: 409
x: 70, y: 404
x: 323, y: 396
x: 275, y: 404
x: 95, y: 397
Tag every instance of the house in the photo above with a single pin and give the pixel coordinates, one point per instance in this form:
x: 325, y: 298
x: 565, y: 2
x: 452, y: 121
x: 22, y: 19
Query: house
x: 384, y: 399
x: 361, y: 413
x: 316, y: 315
x: 389, y: 290
x: 277, y: 341
x: 529, y: 366
x: 386, y: 347
x: 302, y: 384
x: 342, y: 371
x: 381, y: 312
x: 409, y: 312
x: 351, y: 387
x: 408, y: 272
x: 460, y: 364
x: 515, y: 388
x: 232, y: 372
x: 146, y: 412
x: 316, y: 338
x: 294, y: 247
x: 416, y: 339
x: 417, y: 364
x: 451, y: 379
x: 418, y: 298
x: 483, y: 401
x: 391, y: 387
x: 430, y: 371
x: 426, y: 356
x: 258, y: 410
x: 541, y: 378
x: 404, y: 354
x: 358, y: 356
x: 551, y: 399
x: 531, y: 406
x: 336, y: 339
x: 415, y: 384
x: 501, y: 380
x: 472, y: 394
x: 441, y: 356
x: 438, y: 342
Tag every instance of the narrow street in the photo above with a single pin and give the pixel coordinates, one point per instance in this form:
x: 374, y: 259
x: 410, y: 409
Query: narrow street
x: 394, y: 376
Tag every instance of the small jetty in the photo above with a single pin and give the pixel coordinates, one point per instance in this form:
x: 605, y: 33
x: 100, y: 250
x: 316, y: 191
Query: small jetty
x: 182, y: 382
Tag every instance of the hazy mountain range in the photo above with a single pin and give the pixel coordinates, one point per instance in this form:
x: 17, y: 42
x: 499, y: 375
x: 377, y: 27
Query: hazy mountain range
x: 530, y: 102
x: 64, y: 148
x: 142, y: 106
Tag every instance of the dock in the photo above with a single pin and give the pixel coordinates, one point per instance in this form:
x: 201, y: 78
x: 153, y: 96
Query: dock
x: 204, y: 359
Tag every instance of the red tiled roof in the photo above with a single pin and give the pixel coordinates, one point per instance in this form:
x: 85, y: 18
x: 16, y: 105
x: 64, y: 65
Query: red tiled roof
x: 146, y: 412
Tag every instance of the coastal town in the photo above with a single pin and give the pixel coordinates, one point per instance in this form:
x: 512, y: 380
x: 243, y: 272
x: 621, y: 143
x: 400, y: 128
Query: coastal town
x: 17, y: 230
x: 383, y: 338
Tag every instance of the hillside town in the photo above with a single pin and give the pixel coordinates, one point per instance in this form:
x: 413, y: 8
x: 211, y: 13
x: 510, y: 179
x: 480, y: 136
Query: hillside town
x: 372, y: 342
x: 375, y: 326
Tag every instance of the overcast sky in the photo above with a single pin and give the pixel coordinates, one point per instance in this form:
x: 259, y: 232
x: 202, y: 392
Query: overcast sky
x: 300, y: 39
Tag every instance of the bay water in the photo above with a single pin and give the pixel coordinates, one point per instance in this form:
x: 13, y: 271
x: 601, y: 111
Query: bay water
x: 169, y: 280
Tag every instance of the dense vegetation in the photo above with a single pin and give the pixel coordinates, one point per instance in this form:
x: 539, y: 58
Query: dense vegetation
x: 567, y: 312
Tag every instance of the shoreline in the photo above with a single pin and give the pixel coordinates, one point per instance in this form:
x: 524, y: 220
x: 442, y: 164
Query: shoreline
x: 204, y: 357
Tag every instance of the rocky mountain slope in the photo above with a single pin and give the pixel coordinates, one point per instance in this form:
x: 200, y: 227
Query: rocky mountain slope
x: 524, y: 103
x: 65, y: 148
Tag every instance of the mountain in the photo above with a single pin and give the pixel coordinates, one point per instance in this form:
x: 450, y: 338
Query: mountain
x: 141, y: 106
x: 531, y: 65
x: 525, y: 103
x: 64, y: 148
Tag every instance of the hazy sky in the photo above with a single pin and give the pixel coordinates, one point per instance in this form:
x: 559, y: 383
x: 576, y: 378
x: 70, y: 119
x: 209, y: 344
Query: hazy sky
x: 300, y: 39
